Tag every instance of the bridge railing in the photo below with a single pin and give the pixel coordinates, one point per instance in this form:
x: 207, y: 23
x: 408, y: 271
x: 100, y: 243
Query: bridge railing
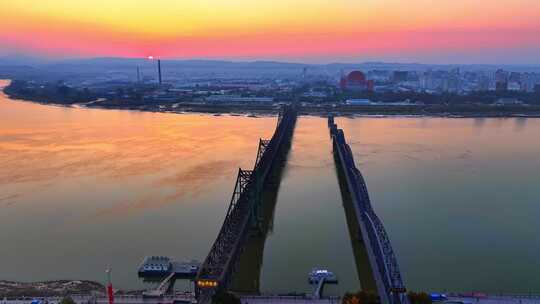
x: 378, y: 230
x: 378, y: 238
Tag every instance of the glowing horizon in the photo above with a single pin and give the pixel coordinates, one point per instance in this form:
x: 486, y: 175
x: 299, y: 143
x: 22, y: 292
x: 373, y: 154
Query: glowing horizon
x: 420, y: 30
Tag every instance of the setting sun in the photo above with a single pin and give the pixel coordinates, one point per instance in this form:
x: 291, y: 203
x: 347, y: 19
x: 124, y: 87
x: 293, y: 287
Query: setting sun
x: 314, y: 30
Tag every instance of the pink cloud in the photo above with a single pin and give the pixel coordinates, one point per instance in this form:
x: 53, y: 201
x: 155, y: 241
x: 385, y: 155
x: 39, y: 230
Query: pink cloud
x: 279, y: 45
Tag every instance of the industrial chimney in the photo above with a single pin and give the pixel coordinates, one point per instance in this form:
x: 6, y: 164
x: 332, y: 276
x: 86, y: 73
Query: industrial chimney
x: 159, y: 70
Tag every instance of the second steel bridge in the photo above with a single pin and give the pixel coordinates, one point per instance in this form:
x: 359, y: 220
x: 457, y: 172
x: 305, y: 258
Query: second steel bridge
x: 384, y: 265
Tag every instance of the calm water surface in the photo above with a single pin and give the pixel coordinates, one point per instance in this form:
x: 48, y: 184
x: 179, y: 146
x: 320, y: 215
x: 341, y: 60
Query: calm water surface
x: 81, y: 189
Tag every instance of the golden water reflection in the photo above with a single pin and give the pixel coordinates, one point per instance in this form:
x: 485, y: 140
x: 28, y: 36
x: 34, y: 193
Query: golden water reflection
x: 81, y: 189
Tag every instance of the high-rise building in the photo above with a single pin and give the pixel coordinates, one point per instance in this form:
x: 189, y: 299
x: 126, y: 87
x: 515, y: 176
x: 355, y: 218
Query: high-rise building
x: 451, y: 84
x: 400, y: 76
x: 528, y: 81
x: 514, y: 77
x: 501, y: 80
x: 483, y: 83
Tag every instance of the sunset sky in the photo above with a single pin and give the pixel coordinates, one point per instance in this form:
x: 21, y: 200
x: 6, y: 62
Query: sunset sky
x: 441, y: 31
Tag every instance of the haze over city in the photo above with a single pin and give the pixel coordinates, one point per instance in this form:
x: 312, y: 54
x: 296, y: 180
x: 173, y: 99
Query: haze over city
x: 316, y: 31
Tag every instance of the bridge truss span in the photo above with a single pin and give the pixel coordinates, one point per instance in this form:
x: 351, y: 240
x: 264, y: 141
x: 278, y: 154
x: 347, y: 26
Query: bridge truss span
x: 243, y: 212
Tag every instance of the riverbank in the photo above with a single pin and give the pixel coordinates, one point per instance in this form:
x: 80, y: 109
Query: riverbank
x: 57, y: 288
x: 339, y: 110
x: 459, y: 110
x: 373, y: 111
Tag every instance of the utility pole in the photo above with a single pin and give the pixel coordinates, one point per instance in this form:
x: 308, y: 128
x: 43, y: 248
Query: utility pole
x: 109, y: 286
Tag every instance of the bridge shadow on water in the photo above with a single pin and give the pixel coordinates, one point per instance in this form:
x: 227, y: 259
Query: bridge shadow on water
x: 248, y: 271
x: 363, y: 266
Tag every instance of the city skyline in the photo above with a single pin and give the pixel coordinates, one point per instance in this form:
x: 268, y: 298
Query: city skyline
x: 453, y: 32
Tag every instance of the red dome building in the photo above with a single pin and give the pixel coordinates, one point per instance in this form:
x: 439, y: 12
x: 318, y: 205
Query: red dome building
x: 356, y: 77
x: 356, y: 81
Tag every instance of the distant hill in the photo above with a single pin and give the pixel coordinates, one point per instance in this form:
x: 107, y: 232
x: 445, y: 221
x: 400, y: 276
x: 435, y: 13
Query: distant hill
x: 32, y: 67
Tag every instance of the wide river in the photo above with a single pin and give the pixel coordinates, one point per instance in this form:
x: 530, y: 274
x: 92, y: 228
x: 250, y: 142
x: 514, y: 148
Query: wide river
x: 84, y: 189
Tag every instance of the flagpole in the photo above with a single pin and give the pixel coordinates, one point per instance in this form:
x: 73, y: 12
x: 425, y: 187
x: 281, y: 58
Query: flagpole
x: 109, y: 286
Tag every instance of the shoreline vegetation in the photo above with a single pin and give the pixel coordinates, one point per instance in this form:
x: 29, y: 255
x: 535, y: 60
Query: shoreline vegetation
x: 470, y: 110
x: 57, y: 288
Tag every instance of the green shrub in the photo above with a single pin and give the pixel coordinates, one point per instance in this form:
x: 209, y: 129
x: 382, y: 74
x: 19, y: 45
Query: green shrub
x: 361, y: 297
x: 419, y: 298
x: 223, y: 297
x: 67, y: 300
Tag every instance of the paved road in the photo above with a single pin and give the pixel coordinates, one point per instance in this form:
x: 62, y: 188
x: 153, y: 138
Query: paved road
x: 287, y: 300
x: 104, y: 300
x: 498, y: 300
x: 265, y: 300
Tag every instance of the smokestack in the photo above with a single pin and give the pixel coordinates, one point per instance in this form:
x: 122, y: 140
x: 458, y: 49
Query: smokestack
x: 159, y: 70
x: 138, y: 74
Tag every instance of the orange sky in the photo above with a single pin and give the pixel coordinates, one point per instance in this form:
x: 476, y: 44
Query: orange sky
x: 317, y: 30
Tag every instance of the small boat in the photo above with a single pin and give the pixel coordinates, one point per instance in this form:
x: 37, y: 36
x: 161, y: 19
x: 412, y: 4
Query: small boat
x: 318, y: 274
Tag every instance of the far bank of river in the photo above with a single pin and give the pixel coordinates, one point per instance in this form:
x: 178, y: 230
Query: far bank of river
x: 459, y: 110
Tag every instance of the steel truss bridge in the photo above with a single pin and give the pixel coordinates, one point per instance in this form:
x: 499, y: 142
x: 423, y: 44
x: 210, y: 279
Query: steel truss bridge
x: 381, y: 256
x: 243, y: 214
